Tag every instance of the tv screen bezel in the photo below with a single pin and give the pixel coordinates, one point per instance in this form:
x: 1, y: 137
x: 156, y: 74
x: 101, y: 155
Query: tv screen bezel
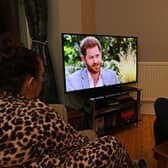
x: 103, y: 89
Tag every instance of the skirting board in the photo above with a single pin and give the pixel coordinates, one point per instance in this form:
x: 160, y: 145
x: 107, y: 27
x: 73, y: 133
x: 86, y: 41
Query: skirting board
x: 147, y: 108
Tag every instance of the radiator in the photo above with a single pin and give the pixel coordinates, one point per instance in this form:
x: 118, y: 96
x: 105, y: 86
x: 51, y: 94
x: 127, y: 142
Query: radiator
x: 153, y: 80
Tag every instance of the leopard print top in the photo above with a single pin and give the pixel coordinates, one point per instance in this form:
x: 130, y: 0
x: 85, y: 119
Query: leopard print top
x: 33, y: 135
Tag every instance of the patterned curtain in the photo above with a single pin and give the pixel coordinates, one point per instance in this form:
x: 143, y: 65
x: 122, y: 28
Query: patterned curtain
x: 36, y: 13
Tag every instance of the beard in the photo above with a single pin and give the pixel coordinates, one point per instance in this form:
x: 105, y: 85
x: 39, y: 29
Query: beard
x: 95, y: 68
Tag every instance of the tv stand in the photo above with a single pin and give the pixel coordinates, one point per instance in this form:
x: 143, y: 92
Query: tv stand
x: 117, y: 110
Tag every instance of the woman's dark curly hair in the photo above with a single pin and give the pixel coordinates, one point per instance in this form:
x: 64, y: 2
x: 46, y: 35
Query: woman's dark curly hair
x: 16, y: 62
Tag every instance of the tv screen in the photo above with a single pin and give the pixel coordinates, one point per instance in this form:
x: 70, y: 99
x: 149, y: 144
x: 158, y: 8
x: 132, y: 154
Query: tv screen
x: 92, y: 62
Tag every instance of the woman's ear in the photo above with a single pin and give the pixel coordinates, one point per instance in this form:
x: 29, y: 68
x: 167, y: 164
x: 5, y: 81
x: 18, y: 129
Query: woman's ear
x: 29, y: 81
x: 28, y: 86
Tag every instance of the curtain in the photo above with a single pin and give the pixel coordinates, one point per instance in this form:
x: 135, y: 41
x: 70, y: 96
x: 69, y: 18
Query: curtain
x: 9, y: 17
x: 37, y: 14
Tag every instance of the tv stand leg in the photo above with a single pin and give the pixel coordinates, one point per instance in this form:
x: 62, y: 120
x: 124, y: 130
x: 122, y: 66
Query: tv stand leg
x: 93, y: 112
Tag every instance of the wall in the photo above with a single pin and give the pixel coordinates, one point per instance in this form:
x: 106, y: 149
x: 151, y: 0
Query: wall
x: 88, y: 15
x: 67, y: 16
x: 64, y: 16
x: 146, y: 19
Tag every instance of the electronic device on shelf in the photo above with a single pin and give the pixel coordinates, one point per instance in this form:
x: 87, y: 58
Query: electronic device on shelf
x: 119, y: 53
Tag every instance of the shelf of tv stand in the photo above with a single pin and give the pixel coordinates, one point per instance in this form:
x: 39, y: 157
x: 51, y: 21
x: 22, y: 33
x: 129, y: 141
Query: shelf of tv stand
x: 114, y: 104
x: 102, y: 111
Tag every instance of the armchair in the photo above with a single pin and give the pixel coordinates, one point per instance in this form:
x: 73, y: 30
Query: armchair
x: 161, y: 122
x: 61, y: 109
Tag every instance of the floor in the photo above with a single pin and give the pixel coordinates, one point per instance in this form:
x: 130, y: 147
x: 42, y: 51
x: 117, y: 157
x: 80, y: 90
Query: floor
x: 139, y: 139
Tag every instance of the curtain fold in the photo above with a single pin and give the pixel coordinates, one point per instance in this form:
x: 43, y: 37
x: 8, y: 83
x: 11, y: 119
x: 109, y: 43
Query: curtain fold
x: 37, y: 17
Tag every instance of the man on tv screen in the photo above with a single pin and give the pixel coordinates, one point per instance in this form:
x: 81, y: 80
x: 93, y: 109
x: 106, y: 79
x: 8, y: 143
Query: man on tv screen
x: 93, y: 75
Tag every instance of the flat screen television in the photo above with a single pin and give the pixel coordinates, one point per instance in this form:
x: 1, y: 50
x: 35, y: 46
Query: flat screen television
x: 91, y: 67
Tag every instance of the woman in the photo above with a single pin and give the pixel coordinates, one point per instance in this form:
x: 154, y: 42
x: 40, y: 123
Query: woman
x: 31, y: 133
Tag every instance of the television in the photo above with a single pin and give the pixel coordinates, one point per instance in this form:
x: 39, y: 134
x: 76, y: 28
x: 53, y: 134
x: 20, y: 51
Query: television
x: 117, y: 57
